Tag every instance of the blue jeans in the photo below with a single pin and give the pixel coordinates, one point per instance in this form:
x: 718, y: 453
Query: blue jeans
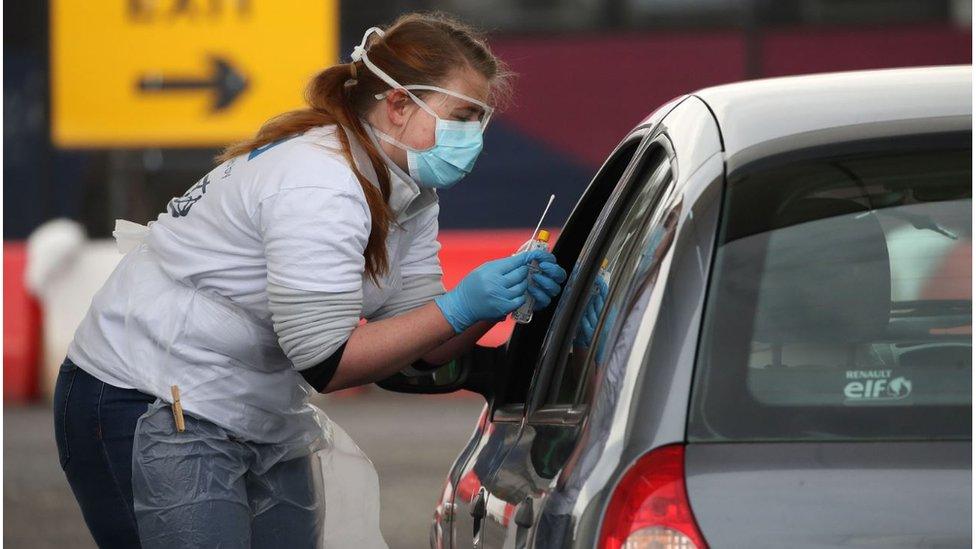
x: 229, y: 501
x: 94, y: 423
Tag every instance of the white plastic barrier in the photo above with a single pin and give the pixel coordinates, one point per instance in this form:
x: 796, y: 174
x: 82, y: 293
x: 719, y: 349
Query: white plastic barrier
x: 64, y: 270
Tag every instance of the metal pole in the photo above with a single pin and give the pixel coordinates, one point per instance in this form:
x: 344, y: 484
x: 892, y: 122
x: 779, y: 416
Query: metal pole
x: 118, y: 178
x: 752, y: 34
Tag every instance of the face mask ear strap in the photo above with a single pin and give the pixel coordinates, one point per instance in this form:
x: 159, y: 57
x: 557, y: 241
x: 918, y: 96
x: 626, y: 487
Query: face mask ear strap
x: 359, y: 51
x: 359, y: 54
x: 420, y: 102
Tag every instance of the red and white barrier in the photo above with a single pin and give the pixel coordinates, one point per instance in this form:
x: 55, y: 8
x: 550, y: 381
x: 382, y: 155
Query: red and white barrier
x: 50, y: 280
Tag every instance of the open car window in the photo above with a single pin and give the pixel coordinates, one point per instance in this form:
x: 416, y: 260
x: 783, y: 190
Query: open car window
x: 524, y: 346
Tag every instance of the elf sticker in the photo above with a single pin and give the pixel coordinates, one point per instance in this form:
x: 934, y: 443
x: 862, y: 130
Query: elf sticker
x: 875, y: 386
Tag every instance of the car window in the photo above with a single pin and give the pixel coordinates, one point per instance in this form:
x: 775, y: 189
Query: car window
x: 840, y: 306
x: 640, y: 270
x: 526, y: 341
x: 614, y: 265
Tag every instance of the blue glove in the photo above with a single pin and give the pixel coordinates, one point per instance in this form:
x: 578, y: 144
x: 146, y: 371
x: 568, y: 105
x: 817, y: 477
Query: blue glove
x: 546, y: 284
x: 591, y: 316
x: 493, y: 290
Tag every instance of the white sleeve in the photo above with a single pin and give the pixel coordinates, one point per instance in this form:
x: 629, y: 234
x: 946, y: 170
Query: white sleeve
x: 421, y: 258
x: 314, y: 238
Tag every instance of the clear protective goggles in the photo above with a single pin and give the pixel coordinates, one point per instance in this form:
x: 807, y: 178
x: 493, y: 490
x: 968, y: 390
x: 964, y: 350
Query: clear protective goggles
x: 359, y: 54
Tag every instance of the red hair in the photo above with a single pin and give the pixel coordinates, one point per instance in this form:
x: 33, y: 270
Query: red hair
x: 416, y: 49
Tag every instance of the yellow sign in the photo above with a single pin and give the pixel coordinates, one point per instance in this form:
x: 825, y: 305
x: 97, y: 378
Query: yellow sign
x: 131, y: 73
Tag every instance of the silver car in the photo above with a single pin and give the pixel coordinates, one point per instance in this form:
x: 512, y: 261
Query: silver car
x: 765, y: 339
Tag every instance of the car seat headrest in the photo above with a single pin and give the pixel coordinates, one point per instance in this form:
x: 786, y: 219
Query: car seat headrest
x: 826, y: 276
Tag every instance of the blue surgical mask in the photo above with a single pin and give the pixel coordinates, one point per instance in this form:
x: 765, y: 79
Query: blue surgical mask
x: 456, y: 147
x: 457, y: 144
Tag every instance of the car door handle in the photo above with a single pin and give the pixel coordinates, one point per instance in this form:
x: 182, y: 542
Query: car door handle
x: 524, y: 519
x: 479, y: 510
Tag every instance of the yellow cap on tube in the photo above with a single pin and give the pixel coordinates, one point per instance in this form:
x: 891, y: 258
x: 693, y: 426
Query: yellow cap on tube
x: 543, y: 236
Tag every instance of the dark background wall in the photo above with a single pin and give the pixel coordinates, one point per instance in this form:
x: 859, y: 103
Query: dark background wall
x: 588, y: 71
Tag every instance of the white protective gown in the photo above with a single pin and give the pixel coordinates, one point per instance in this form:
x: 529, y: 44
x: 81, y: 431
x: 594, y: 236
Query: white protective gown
x: 188, y: 306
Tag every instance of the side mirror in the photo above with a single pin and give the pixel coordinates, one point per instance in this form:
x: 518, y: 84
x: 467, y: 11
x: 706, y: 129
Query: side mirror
x: 473, y: 371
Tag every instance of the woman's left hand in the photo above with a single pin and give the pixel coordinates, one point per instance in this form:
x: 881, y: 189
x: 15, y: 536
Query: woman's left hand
x: 546, y: 284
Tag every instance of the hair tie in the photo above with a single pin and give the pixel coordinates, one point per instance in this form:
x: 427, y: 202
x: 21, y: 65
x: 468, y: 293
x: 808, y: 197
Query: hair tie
x: 358, y: 53
x: 353, y: 76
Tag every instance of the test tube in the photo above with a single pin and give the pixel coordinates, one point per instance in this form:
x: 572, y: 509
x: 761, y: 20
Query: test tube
x: 523, y: 315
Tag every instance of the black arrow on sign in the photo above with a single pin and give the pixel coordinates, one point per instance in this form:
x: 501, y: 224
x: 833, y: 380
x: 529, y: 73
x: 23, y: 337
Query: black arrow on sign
x: 225, y: 81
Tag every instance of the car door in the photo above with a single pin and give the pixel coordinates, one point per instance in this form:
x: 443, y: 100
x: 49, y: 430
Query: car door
x: 460, y: 522
x: 461, y: 514
x: 635, y: 234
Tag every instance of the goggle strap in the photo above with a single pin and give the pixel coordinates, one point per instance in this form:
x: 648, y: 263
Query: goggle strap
x: 359, y: 54
x: 394, y: 84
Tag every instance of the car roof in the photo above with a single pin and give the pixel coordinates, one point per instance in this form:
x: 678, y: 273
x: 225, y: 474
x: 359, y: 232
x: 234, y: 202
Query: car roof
x: 753, y: 112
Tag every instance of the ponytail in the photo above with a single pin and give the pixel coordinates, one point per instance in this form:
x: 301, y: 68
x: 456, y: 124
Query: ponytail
x: 328, y: 104
x: 416, y: 49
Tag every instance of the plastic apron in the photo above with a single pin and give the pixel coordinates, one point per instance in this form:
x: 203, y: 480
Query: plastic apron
x: 280, y: 473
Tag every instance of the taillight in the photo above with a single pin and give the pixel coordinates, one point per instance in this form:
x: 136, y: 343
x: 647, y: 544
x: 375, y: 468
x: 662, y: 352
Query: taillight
x: 649, y: 507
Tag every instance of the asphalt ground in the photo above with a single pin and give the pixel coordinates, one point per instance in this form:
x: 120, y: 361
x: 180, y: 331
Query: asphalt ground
x: 412, y: 441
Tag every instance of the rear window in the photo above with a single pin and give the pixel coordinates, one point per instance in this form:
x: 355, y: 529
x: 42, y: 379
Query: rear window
x: 840, y: 306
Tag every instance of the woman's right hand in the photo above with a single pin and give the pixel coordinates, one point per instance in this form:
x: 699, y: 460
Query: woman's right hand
x: 491, y: 291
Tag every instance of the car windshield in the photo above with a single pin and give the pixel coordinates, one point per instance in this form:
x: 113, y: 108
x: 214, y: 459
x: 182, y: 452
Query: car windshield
x: 840, y: 305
